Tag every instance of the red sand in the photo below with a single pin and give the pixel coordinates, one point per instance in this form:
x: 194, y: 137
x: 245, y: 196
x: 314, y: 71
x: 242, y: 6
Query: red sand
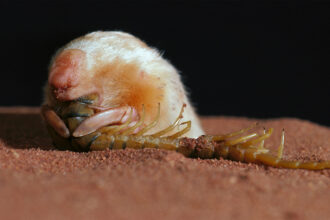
x: 38, y: 182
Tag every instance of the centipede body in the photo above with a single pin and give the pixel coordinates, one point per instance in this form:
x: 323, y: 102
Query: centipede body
x: 247, y: 148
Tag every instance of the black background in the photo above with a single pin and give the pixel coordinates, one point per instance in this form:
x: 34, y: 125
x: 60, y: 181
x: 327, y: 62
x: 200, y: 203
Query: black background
x: 236, y: 58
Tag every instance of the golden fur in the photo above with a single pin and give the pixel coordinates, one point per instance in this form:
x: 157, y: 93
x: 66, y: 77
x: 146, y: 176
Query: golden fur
x: 123, y: 70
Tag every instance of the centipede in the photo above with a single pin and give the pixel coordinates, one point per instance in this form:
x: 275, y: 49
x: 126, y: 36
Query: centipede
x: 248, y: 148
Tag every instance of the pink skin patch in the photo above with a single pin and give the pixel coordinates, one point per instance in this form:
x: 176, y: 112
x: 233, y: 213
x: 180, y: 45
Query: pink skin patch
x: 111, y: 116
x: 64, y: 73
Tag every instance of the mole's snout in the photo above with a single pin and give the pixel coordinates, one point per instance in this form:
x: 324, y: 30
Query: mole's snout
x: 65, y: 70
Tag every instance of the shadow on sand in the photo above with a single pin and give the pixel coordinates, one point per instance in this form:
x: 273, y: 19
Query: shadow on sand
x: 24, y: 130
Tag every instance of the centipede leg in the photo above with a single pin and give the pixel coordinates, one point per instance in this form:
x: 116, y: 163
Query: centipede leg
x: 262, y: 143
x: 281, y: 147
x: 240, y: 139
x: 259, y: 139
x: 233, y: 134
x: 182, y: 132
x: 171, y: 127
x: 151, y: 125
x: 138, y: 124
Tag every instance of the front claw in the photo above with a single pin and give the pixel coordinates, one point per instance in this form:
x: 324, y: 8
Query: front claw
x: 54, y: 121
x: 111, y: 116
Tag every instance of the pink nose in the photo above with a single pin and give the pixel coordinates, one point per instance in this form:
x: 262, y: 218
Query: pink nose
x: 64, y: 72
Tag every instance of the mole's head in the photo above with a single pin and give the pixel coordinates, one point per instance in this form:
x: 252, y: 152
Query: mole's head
x: 119, y: 68
x: 120, y: 72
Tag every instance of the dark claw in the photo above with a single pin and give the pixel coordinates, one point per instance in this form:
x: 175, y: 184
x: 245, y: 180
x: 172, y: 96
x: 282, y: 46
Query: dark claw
x: 54, y: 121
x: 76, y: 109
x: 89, y: 99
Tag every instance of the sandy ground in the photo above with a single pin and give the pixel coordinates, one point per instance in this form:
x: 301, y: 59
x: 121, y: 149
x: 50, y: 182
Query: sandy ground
x: 38, y: 182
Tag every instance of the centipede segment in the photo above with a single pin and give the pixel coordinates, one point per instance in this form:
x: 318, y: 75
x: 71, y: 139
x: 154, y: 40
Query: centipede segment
x: 245, y: 145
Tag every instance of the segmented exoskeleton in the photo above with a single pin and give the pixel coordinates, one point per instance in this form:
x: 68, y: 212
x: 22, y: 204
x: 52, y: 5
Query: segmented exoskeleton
x: 234, y: 146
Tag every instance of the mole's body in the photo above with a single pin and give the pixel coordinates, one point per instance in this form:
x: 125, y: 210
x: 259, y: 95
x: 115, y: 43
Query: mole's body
x: 125, y: 74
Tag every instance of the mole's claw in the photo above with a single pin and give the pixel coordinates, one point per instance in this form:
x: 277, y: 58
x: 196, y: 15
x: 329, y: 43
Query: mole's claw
x: 55, y: 121
x: 111, y: 116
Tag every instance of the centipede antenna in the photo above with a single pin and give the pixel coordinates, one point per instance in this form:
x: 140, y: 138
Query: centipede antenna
x: 151, y: 125
x: 240, y: 139
x: 259, y: 139
x: 172, y: 126
x: 281, y: 147
x: 262, y: 143
x: 123, y: 126
x: 138, y: 124
x: 223, y: 137
x: 182, y: 132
